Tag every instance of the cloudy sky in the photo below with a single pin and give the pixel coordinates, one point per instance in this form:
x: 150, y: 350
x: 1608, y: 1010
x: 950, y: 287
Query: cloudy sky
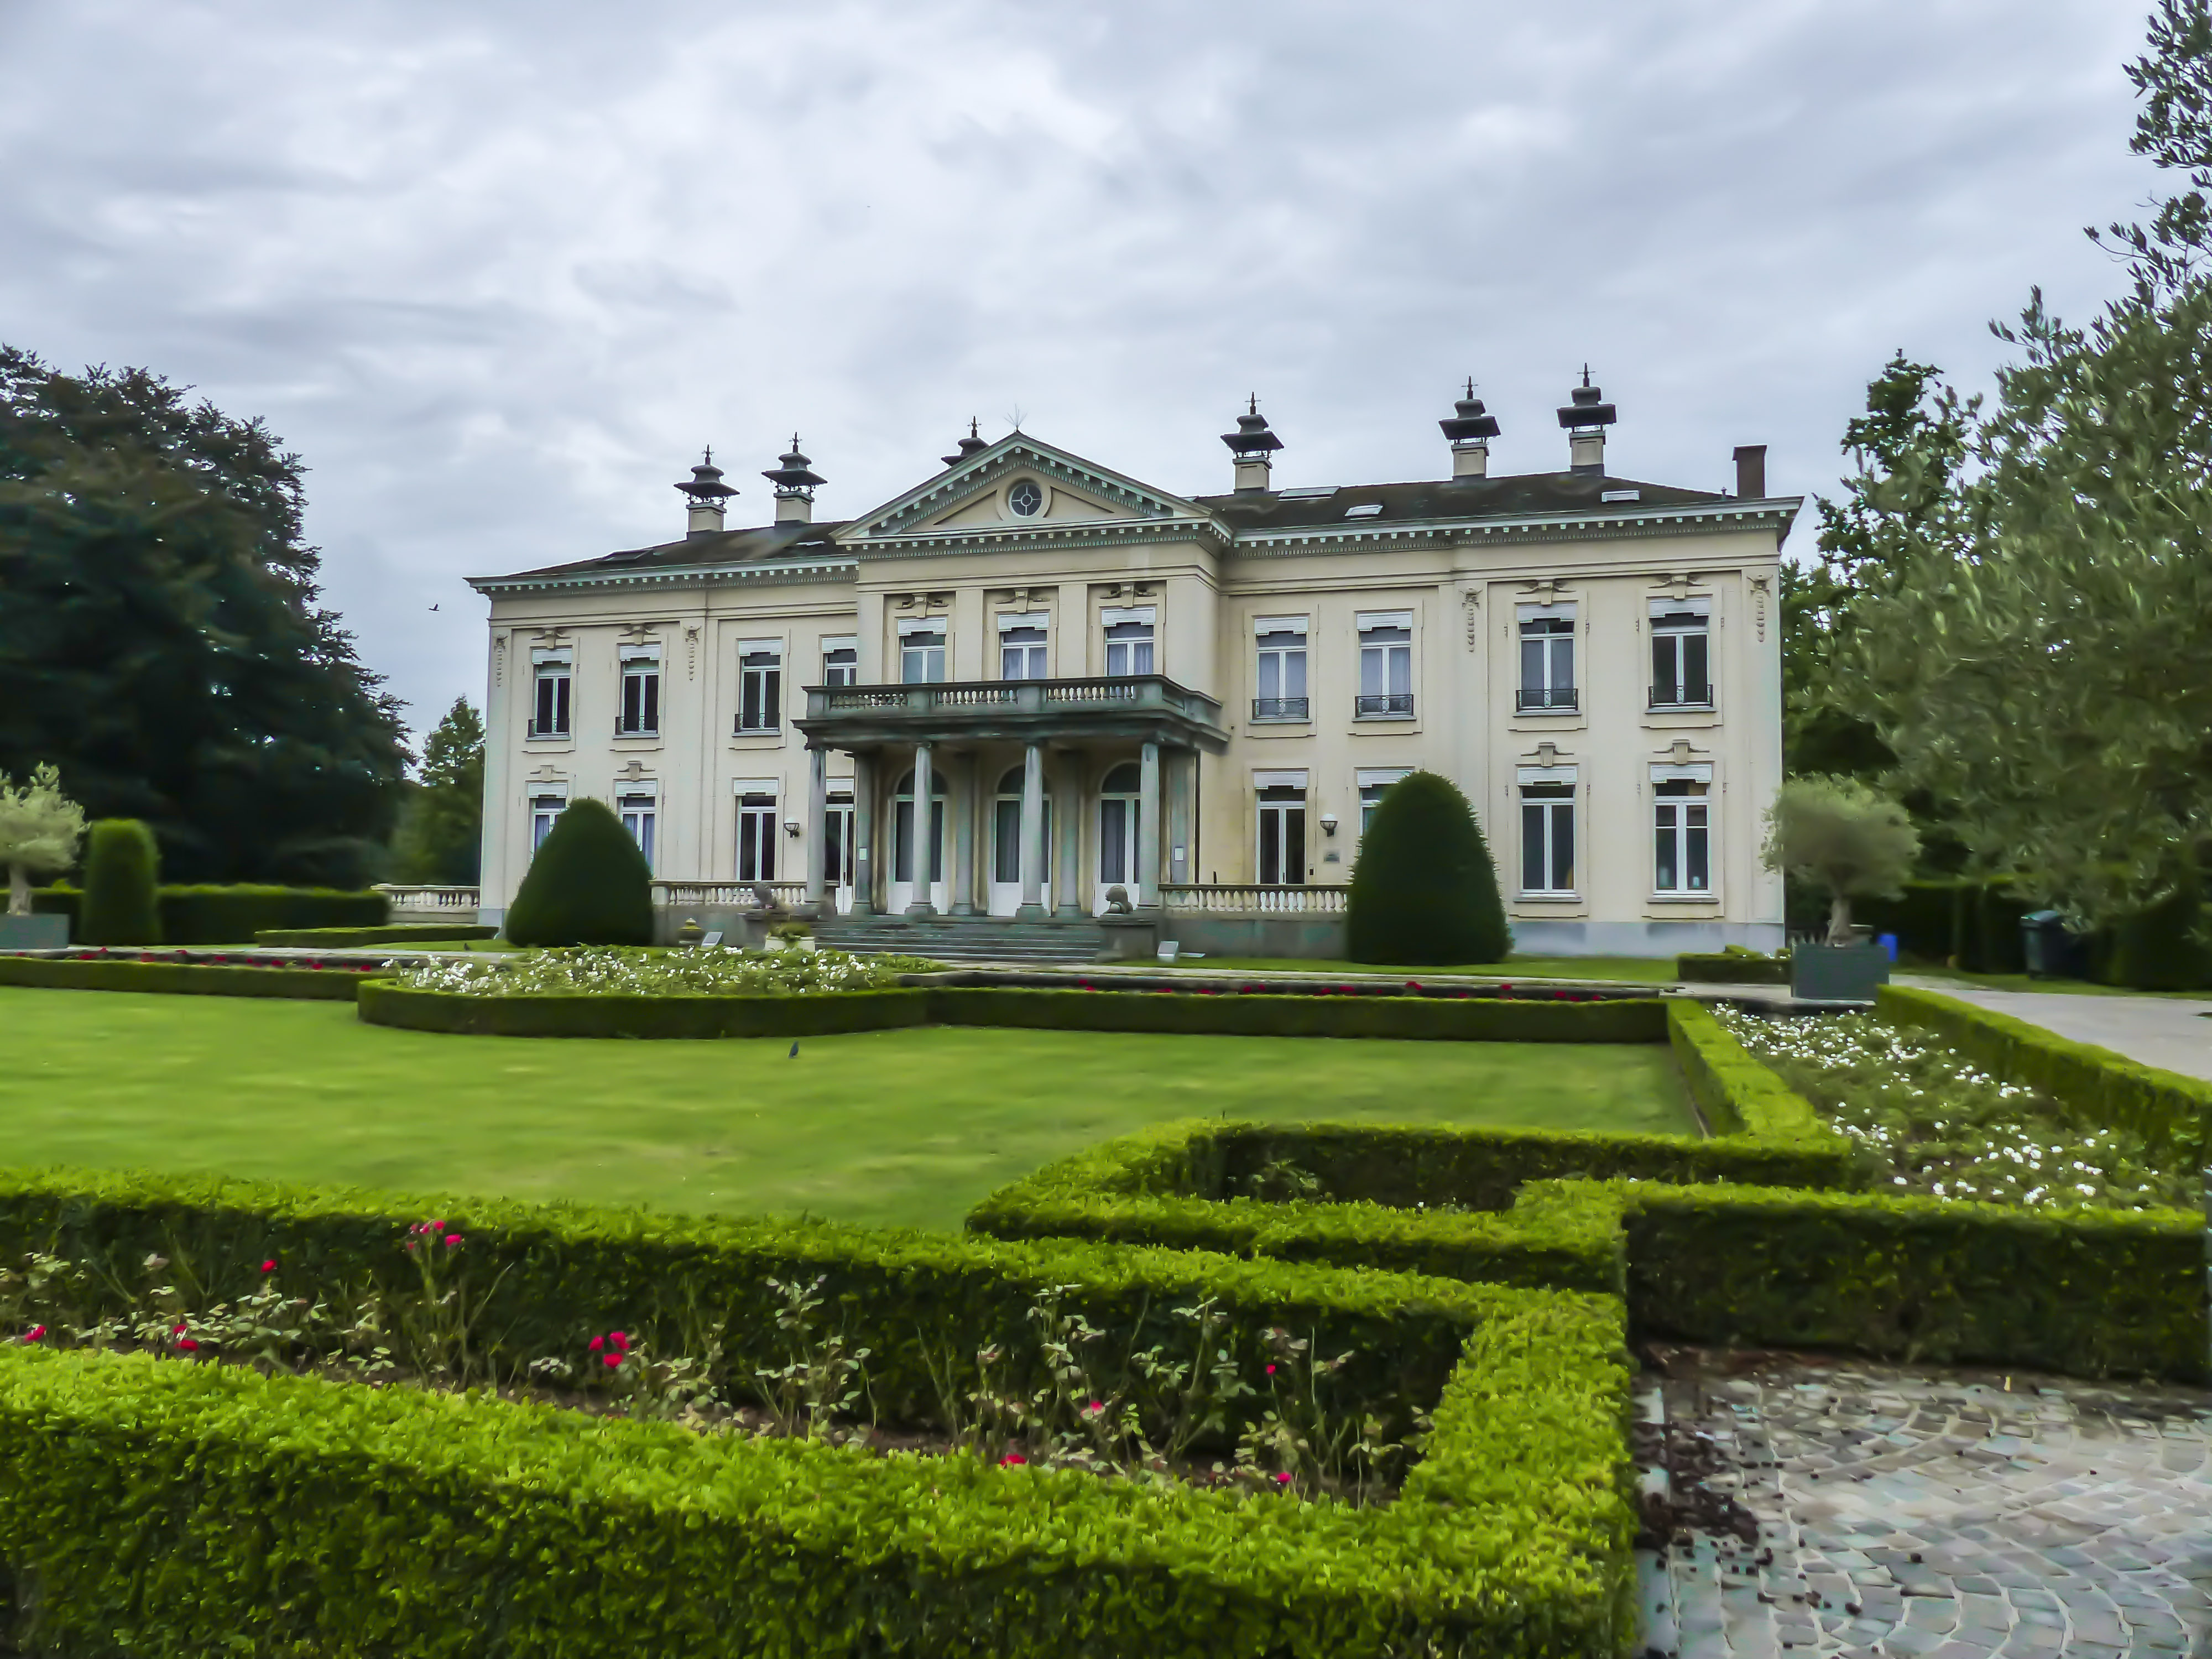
x: 498, y: 270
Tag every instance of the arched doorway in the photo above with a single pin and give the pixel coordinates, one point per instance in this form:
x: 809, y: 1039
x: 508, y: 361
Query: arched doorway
x: 1117, y: 834
x: 902, y: 874
x: 1006, y: 845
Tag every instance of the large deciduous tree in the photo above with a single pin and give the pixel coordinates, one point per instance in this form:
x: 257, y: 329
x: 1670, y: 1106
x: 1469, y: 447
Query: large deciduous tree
x: 163, y: 638
x: 2038, y: 654
x: 39, y: 829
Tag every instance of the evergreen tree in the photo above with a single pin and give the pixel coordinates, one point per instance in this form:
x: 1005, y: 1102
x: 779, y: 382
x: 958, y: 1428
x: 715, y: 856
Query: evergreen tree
x: 163, y: 639
x: 589, y: 884
x: 441, y: 827
x: 122, y: 902
x: 1424, y: 890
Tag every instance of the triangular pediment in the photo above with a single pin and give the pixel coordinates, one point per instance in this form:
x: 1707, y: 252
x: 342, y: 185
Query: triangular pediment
x: 1018, y: 483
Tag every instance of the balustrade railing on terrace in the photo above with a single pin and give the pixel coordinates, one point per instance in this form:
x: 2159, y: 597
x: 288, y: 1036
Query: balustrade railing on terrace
x: 430, y: 898
x: 1139, y: 690
x: 727, y: 895
x: 1232, y: 899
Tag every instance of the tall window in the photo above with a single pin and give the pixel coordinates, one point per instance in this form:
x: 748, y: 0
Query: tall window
x: 1021, y: 649
x: 1682, y: 861
x: 757, y: 836
x: 544, y: 809
x: 760, y: 686
x: 1681, y: 653
x: 1283, y: 835
x: 841, y: 662
x: 641, y: 693
x: 1118, y: 800
x: 637, y: 817
x: 1282, y: 681
x: 1548, y: 658
x: 1547, y: 838
x: 921, y: 656
x: 549, y: 717
x: 1129, y: 642
x: 1006, y: 830
x: 1386, y: 666
x: 837, y: 856
x: 1371, y: 786
x: 903, y: 830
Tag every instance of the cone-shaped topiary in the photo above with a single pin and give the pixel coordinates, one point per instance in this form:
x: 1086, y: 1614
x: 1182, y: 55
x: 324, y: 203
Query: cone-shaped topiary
x: 589, y: 884
x: 122, y: 903
x: 1424, y: 890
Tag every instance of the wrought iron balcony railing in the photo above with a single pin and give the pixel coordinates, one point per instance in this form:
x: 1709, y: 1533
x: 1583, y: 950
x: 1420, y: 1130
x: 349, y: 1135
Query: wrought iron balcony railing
x: 1281, y: 708
x: 1546, y: 700
x: 1388, y: 705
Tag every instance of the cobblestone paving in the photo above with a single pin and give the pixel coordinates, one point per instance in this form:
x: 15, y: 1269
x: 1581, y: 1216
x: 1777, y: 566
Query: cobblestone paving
x: 1849, y: 1508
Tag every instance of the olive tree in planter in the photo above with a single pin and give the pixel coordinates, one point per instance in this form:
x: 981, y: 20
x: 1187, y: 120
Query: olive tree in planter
x: 40, y: 829
x: 1848, y: 838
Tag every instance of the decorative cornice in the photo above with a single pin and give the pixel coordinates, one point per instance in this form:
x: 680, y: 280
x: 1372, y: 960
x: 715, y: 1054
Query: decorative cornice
x: 1520, y: 528
x: 1078, y: 532
x: 777, y: 574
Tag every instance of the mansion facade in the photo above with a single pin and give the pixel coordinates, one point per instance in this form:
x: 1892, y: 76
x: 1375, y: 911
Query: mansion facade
x: 1030, y: 681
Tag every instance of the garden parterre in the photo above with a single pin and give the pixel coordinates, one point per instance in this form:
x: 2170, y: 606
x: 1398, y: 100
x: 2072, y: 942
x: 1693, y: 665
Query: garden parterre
x: 1932, y: 1122
x: 613, y: 970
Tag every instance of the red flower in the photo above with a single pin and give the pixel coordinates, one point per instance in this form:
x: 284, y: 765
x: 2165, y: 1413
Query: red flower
x: 596, y: 1343
x: 35, y: 1332
x: 621, y: 1342
x: 1283, y: 1480
x: 1412, y: 985
x: 1012, y: 1457
x: 611, y: 1359
x: 269, y: 1266
x: 410, y: 1246
x: 187, y: 1345
x: 180, y: 1331
x: 1088, y: 986
x: 1271, y: 1370
x: 452, y: 1239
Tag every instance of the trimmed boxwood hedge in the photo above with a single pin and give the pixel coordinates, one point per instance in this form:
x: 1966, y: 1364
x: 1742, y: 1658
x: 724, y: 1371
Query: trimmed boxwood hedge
x: 1488, y: 1019
x: 1740, y: 1095
x: 2081, y: 1292
x: 235, y: 915
x: 2170, y: 1110
x: 305, y: 1515
x: 340, y: 939
x: 183, y: 979
x: 1719, y: 967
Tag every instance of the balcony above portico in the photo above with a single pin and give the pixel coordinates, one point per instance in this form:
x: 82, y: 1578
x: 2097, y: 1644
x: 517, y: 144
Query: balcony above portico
x: 1136, y: 708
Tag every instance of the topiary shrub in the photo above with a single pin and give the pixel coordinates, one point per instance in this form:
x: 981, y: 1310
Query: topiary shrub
x: 1424, y: 890
x: 122, y: 885
x: 589, y: 884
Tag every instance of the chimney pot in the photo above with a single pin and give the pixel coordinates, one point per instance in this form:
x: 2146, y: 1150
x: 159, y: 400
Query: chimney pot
x: 1254, y: 446
x: 1470, y: 431
x: 1586, y: 417
x: 794, y: 481
x: 705, y: 494
x: 1751, y: 470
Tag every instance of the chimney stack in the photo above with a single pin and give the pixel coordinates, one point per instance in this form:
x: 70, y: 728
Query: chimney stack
x: 1586, y: 417
x: 1254, y: 446
x: 1751, y: 470
x: 794, y: 487
x: 1470, y: 431
x: 705, y: 493
x: 968, y: 445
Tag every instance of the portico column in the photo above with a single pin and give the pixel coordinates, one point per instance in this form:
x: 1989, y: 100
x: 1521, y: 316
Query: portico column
x: 1148, y: 826
x: 1033, y: 848
x: 963, y: 873
x: 925, y: 798
x: 1179, y: 793
x: 1067, y: 896
x: 864, y: 834
x: 817, y: 816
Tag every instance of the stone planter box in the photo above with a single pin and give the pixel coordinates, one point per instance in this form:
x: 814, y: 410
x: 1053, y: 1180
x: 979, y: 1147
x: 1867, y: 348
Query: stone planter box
x: 33, y: 933
x: 1838, y: 973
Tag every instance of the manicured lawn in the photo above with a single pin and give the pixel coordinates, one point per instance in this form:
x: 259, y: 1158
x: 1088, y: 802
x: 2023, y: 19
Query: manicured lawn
x: 907, y: 1128
x: 1649, y: 970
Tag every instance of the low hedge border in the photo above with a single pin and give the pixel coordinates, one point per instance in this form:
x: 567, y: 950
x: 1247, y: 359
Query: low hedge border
x: 1716, y: 967
x: 2095, y: 1292
x: 341, y: 938
x: 1486, y: 1020
x: 1740, y: 1095
x: 540, y: 1279
x: 2168, y: 1109
x: 210, y: 914
x: 331, y: 1517
x: 181, y: 979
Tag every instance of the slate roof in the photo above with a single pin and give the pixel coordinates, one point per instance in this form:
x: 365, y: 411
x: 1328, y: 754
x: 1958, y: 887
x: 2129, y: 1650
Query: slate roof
x: 725, y: 547
x: 1442, y: 498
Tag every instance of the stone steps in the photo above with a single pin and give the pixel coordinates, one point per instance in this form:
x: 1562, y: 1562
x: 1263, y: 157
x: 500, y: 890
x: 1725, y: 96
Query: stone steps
x: 966, y: 938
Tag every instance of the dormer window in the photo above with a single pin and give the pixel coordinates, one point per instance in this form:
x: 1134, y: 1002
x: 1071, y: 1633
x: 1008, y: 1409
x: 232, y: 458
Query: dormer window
x: 1026, y: 499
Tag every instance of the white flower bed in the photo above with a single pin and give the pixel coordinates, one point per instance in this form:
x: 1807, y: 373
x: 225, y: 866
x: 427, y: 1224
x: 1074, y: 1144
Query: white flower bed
x: 1941, y: 1127
x: 608, y: 970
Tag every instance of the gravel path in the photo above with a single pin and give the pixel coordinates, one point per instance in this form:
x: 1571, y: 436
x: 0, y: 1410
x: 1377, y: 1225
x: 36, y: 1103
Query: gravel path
x: 2168, y: 1031
x: 1854, y: 1508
